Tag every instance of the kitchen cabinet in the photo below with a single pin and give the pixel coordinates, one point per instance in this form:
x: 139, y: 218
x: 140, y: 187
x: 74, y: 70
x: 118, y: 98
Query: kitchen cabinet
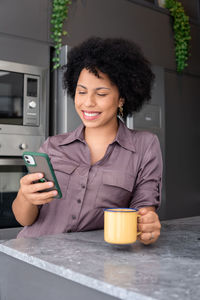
x: 25, y: 28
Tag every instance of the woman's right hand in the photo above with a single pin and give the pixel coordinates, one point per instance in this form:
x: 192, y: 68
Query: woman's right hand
x: 32, y: 192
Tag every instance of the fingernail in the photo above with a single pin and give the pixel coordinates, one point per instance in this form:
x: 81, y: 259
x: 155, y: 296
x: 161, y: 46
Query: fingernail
x: 50, y: 184
x: 54, y: 192
x: 40, y: 175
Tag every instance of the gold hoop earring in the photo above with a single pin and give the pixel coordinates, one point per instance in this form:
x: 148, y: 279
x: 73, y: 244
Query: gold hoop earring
x: 121, y: 111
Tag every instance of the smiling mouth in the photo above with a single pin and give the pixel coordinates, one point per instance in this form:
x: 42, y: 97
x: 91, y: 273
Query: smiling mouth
x: 90, y: 115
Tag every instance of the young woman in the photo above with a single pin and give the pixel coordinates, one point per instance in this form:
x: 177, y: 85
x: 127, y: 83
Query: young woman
x: 102, y: 163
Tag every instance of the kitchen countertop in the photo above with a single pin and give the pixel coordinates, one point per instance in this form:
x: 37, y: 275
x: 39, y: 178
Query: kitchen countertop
x: 8, y: 233
x: 168, y: 269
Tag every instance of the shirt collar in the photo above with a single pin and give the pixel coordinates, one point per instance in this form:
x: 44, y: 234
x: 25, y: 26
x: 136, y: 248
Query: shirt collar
x: 124, y: 137
x: 77, y: 134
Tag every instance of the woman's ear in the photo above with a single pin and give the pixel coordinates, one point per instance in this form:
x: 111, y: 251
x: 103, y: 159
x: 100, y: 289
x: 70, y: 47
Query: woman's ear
x: 121, y: 102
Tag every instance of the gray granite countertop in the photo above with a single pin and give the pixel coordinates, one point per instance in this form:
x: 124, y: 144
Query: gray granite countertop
x: 168, y: 269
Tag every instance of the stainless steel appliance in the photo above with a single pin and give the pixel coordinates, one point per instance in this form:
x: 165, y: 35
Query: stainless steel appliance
x: 23, y: 126
x: 63, y: 114
x: 11, y: 170
x: 23, y: 107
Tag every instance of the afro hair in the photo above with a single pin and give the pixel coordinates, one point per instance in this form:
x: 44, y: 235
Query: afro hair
x: 122, y: 61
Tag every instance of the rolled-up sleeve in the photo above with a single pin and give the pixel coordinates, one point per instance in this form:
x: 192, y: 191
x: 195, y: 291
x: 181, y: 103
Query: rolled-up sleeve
x: 147, y: 190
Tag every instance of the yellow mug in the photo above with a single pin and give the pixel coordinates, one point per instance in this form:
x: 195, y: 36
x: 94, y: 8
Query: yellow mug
x: 120, y: 225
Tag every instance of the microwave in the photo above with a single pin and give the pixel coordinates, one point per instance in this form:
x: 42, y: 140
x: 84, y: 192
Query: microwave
x: 23, y: 107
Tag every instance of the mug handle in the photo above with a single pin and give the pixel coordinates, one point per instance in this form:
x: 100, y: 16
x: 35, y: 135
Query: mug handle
x: 139, y: 232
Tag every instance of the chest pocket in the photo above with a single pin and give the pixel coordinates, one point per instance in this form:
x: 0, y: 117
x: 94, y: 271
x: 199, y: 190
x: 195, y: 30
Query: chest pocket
x: 115, y: 189
x: 63, y: 171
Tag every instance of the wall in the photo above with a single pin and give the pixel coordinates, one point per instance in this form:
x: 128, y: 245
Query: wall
x: 150, y: 27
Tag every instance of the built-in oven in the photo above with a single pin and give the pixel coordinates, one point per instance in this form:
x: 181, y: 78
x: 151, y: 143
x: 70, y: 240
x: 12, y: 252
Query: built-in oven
x: 23, y: 126
x: 23, y: 107
x: 11, y: 170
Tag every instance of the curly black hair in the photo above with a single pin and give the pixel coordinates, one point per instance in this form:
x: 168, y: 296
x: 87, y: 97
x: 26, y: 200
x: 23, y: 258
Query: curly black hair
x: 123, y: 62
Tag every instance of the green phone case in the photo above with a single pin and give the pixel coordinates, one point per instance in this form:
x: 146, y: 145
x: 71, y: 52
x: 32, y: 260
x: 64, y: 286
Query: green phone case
x: 41, y: 164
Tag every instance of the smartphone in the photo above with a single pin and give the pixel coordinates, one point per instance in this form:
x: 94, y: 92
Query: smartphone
x: 37, y: 162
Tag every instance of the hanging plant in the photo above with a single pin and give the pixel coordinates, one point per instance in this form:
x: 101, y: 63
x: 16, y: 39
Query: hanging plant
x: 182, y: 35
x: 58, y: 16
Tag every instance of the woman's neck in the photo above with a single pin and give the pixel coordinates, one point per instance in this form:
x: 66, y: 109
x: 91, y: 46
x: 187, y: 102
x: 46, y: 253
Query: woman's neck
x: 104, y: 134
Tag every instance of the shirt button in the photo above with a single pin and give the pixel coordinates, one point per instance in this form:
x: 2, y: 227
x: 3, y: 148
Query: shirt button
x: 83, y: 186
x: 73, y: 217
x: 79, y: 200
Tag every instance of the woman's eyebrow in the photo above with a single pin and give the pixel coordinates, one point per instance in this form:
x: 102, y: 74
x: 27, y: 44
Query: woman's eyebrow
x: 81, y: 86
x: 102, y: 87
x: 99, y: 88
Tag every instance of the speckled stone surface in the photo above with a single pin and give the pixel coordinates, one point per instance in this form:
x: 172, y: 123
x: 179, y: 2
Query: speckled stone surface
x: 168, y: 269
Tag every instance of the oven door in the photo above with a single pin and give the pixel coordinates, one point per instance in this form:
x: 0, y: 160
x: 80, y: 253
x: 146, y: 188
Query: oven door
x: 11, y: 97
x: 11, y: 170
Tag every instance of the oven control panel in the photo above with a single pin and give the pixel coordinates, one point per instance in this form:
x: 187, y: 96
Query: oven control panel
x: 31, y: 100
x: 15, y: 145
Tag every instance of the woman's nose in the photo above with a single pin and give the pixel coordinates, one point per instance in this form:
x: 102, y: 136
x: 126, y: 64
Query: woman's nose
x: 90, y: 100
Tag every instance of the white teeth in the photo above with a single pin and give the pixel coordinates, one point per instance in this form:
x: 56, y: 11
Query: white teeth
x: 90, y: 114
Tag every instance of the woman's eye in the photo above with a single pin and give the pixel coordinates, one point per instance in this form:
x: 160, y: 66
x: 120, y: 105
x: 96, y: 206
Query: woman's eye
x: 102, y: 95
x: 81, y: 93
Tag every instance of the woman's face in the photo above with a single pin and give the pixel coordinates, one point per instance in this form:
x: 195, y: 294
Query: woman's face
x: 96, y: 100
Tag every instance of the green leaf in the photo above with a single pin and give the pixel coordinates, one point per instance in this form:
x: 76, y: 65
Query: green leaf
x: 55, y: 59
x: 182, y: 31
x: 58, y: 16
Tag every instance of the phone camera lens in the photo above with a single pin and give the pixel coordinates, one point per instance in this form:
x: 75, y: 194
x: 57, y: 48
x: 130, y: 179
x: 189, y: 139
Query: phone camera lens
x: 28, y: 161
x: 26, y: 157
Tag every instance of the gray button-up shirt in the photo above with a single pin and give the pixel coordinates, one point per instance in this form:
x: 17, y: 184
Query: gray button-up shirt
x: 129, y: 175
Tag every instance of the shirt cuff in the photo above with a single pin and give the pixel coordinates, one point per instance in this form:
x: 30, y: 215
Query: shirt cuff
x: 147, y: 197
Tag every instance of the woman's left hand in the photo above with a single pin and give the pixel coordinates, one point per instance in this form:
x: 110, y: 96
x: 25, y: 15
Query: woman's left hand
x: 149, y: 225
